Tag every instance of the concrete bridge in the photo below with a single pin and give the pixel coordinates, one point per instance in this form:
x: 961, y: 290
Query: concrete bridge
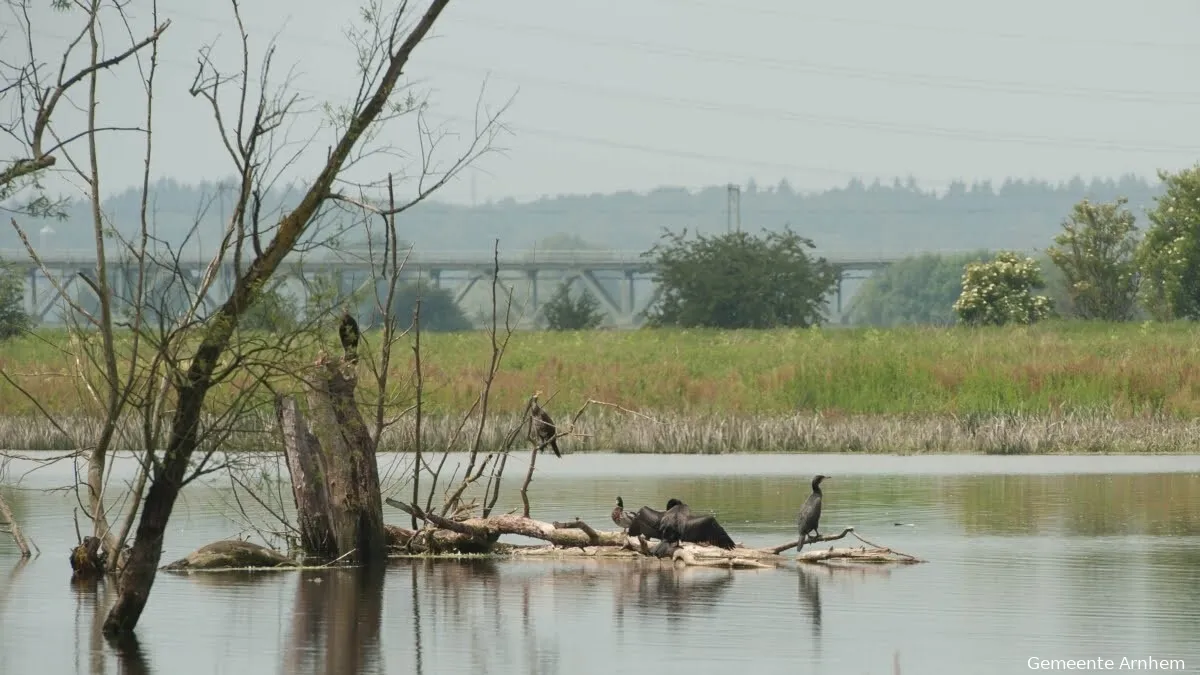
x: 620, y: 280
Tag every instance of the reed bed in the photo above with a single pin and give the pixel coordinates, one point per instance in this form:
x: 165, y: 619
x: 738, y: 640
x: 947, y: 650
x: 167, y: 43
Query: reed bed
x: 722, y: 433
x: 1052, y: 387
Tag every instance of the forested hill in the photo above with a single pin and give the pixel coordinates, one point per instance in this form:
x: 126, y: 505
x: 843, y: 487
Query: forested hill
x: 879, y: 218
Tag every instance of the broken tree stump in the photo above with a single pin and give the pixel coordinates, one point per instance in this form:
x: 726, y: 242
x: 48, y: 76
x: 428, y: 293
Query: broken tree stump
x: 87, y: 559
x: 335, y: 479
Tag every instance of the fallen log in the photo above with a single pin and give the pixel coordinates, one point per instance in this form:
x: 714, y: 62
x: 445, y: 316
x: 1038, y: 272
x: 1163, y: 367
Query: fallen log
x: 578, y: 539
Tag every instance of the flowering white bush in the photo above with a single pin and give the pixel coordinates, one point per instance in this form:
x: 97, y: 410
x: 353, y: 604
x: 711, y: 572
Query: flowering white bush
x: 1096, y: 253
x: 1169, y: 255
x: 1001, y: 291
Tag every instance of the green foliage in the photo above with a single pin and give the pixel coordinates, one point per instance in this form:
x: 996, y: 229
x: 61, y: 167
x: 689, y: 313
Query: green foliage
x: 1169, y: 256
x: 737, y: 280
x: 13, y: 318
x: 439, y: 312
x: 916, y: 290
x: 1096, y: 252
x: 1001, y: 291
x: 274, y: 310
x: 580, y: 313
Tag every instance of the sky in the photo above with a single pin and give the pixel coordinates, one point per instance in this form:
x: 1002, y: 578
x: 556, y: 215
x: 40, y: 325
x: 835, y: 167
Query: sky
x: 626, y: 95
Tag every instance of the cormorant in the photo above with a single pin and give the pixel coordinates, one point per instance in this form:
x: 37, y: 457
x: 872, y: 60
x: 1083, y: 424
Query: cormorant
x: 622, y: 518
x: 810, y: 513
x: 647, y: 521
x: 678, y: 525
x: 544, y: 426
x: 348, y: 332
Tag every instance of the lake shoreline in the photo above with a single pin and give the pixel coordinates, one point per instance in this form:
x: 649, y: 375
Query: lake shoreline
x: 716, y: 433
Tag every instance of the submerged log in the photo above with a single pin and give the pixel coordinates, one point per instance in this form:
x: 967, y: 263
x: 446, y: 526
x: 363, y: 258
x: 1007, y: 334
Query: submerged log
x: 231, y: 554
x: 334, y: 475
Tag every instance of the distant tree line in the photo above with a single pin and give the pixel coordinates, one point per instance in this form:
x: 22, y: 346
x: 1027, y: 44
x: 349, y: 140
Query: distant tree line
x: 1099, y: 266
x: 893, y: 218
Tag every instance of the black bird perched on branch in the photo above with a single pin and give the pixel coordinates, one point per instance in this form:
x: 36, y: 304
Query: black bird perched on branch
x: 348, y: 332
x: 810, y: 513
x: 678, y: 525
x: 620, y: 516
x: 544, y: 426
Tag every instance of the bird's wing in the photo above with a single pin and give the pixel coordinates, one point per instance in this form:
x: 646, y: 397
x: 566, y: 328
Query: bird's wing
x: 646, y: 522
x: 706, y: 530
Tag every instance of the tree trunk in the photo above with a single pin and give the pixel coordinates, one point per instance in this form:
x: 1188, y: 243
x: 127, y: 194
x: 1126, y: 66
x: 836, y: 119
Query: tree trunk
x: 137, y: 576
x: 335, y: 479
x: 306, y: 465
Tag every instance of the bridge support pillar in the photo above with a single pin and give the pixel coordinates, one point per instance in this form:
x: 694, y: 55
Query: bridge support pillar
x: 629, y: 295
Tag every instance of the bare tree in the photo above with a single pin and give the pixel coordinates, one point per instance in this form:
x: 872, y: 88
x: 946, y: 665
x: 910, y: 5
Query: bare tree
x: 165, y: 368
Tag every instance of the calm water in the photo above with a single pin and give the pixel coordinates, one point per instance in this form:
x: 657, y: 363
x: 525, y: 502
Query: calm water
x: 1055, y: 557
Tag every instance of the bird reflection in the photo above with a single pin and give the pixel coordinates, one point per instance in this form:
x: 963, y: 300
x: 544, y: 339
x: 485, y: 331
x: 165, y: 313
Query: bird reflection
x: 335, y: 623
x: 810, y: 595
x: 676, y: 592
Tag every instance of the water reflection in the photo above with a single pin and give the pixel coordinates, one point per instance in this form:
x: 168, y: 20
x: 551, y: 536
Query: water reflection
x: 810, y: 596
x: 1026, y: 563
x: 92, y: 600
x: 335, y: 623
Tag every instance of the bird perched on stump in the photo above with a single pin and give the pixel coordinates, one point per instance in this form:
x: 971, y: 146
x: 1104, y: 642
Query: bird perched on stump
x: 348, y: 332
x: 810, y: 513
x: 543, y: 426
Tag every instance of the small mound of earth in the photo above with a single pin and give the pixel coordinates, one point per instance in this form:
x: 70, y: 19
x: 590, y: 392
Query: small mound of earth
x: 231, y: 554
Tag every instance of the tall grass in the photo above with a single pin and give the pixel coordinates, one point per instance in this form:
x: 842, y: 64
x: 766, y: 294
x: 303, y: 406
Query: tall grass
x: 724, y: 433
x: 1051, y: 387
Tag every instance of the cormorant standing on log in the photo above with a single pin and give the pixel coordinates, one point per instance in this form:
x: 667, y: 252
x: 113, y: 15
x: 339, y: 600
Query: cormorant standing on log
x: 544, y: 426
x: 678, y: 525
x: 810, y: 513
x: 348, y: 332
x: 621, y: 517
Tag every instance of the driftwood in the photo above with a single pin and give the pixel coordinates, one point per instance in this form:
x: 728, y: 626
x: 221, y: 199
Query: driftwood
x: 578, y: 539
x: 231, y: 554
x: 335, y: 479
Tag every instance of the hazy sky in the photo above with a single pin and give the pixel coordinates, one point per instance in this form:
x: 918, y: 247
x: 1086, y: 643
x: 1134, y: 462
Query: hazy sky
x: 633, y: 95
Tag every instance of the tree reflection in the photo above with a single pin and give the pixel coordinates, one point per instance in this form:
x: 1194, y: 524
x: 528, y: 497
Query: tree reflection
x: 92, y: 600
x: 335, y: 623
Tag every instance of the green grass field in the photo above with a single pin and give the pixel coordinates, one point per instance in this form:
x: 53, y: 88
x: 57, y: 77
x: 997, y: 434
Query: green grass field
x: 1107, y: 373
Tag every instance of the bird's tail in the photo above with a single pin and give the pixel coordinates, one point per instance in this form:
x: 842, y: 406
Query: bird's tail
x: 554, y: 447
